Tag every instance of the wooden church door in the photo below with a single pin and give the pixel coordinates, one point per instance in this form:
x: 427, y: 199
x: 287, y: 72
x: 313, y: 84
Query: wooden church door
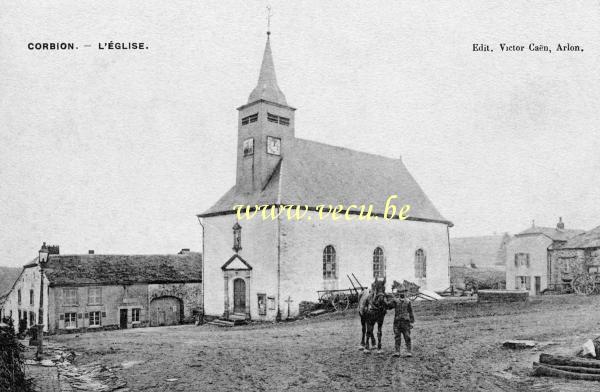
x: 239, y: 296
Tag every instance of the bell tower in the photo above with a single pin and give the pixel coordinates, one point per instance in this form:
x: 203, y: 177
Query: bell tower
x: 265, y: 129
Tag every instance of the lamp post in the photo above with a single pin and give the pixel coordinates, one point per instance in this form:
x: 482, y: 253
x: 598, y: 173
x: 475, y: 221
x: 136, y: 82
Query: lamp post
x: 42, y: 259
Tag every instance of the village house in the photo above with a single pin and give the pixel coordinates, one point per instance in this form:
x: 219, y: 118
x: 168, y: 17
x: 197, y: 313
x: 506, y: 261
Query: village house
x: 528, y: 256
x: 92, y: 291
x: 575, y: 259
x: 263, y: 269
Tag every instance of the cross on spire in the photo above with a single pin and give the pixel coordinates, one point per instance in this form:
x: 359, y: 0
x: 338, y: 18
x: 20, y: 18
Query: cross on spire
x: 269, y: 14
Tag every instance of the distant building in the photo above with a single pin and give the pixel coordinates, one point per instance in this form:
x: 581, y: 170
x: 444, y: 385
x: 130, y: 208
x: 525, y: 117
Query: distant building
x: 91, y: 291
x: 528, y: 258
x: 487, y: 251
x: 2, y: 301
x: 579, y: 255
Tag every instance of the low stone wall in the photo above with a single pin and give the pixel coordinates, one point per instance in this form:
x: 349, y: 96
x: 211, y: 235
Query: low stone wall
x: 502, y: 296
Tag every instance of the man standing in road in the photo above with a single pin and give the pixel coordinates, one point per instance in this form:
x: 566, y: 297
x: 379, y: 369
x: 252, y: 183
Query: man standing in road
x: 403, y: 320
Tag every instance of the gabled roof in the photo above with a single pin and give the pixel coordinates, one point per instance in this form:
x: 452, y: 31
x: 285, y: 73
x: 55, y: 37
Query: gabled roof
x: 74, y: 270
x: 236, y: 262
x: 314, y: 173
x: 589, y: 239
x: 551, y: 232
x: 483, y: 251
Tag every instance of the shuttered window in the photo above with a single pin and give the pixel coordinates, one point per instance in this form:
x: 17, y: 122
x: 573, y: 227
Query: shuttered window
x: 522, y: 260
x: 250, y: 119
x: 70, y: 320
x: 94, y: 318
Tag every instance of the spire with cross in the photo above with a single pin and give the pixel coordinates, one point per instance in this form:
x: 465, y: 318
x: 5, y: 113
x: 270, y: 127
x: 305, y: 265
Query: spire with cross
x: 269, y: 14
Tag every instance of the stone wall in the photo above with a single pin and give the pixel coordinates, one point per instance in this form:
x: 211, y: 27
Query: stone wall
x: 502, y: 296
x: 566, y: 264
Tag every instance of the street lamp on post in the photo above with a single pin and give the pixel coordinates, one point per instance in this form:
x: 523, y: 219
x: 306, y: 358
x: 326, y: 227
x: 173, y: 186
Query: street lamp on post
x: 43, y: 258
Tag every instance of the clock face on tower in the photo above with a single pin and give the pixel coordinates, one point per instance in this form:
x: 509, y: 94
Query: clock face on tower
x: 273, y: 145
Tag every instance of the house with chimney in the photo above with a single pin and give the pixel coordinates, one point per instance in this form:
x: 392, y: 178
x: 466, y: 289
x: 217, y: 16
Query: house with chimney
x: 528, y: 262
x: 84, y: 292
x: 576, y: 259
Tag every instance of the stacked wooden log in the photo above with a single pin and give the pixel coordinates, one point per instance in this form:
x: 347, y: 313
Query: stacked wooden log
x: 567, y: 367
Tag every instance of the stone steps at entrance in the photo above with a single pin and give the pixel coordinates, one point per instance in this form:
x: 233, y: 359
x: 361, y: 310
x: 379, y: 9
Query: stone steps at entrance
x: 222, y: 323
x: 233, y: 320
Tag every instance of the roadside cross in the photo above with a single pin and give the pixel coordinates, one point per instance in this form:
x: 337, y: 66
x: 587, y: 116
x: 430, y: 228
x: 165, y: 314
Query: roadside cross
x: 289, y: 300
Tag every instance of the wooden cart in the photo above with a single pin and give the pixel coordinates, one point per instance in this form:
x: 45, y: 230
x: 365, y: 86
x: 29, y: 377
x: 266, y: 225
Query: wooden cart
x: 342, y: 299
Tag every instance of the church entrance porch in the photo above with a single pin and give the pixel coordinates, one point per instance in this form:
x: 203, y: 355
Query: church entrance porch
x: 236, y: 278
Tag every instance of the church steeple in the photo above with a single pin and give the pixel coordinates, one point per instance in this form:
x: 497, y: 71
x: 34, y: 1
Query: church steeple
x: 267, y: 88
x: 265, y: 129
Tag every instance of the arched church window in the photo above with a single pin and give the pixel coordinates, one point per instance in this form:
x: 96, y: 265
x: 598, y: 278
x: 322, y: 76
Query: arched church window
x: 420, y: 264
x: 329, y: 266
x: 378, y: 263
x: 237, y: 237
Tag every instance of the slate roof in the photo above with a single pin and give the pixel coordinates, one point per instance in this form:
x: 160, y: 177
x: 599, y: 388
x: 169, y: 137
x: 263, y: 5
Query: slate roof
x: 484, y: 251
x: 552, y: 232
x: 589, y: 239
x: 74, y: 270
x: 267, y: 88
x: 314, y: 173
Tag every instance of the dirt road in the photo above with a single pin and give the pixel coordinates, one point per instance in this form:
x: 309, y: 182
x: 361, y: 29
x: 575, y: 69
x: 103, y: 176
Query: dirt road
x: 457, y: 350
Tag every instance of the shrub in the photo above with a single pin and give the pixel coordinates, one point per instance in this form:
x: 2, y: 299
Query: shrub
x: 12, y: 376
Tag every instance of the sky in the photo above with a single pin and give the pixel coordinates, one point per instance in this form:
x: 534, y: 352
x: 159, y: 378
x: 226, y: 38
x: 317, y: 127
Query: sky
x: 117, y: 151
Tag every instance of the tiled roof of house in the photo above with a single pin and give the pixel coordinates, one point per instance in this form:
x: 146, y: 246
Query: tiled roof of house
x: 589, y: 239
x: 314, y: 173
x: 486, y: 251
x: 70, y: 270
x: 551, y: 232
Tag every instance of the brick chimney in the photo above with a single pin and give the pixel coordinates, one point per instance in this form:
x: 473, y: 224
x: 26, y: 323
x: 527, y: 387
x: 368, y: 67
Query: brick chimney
x: 184, y: 251
x: 90, y: 252
x: 560, y: 225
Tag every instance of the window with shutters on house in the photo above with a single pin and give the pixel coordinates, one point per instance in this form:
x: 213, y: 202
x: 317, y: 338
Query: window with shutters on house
x: 522, y: 260
x: 94, y: 319
x: 70, y: 320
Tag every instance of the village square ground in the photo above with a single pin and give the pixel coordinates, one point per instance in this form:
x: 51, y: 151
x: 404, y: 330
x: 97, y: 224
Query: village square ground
x: 457, y: 348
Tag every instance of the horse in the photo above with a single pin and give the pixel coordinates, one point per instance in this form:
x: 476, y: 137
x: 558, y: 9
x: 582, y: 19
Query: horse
x: 372, y: 306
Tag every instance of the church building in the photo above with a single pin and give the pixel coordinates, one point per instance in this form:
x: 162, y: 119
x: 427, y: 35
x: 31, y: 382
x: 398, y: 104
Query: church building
x: 262, y: 269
